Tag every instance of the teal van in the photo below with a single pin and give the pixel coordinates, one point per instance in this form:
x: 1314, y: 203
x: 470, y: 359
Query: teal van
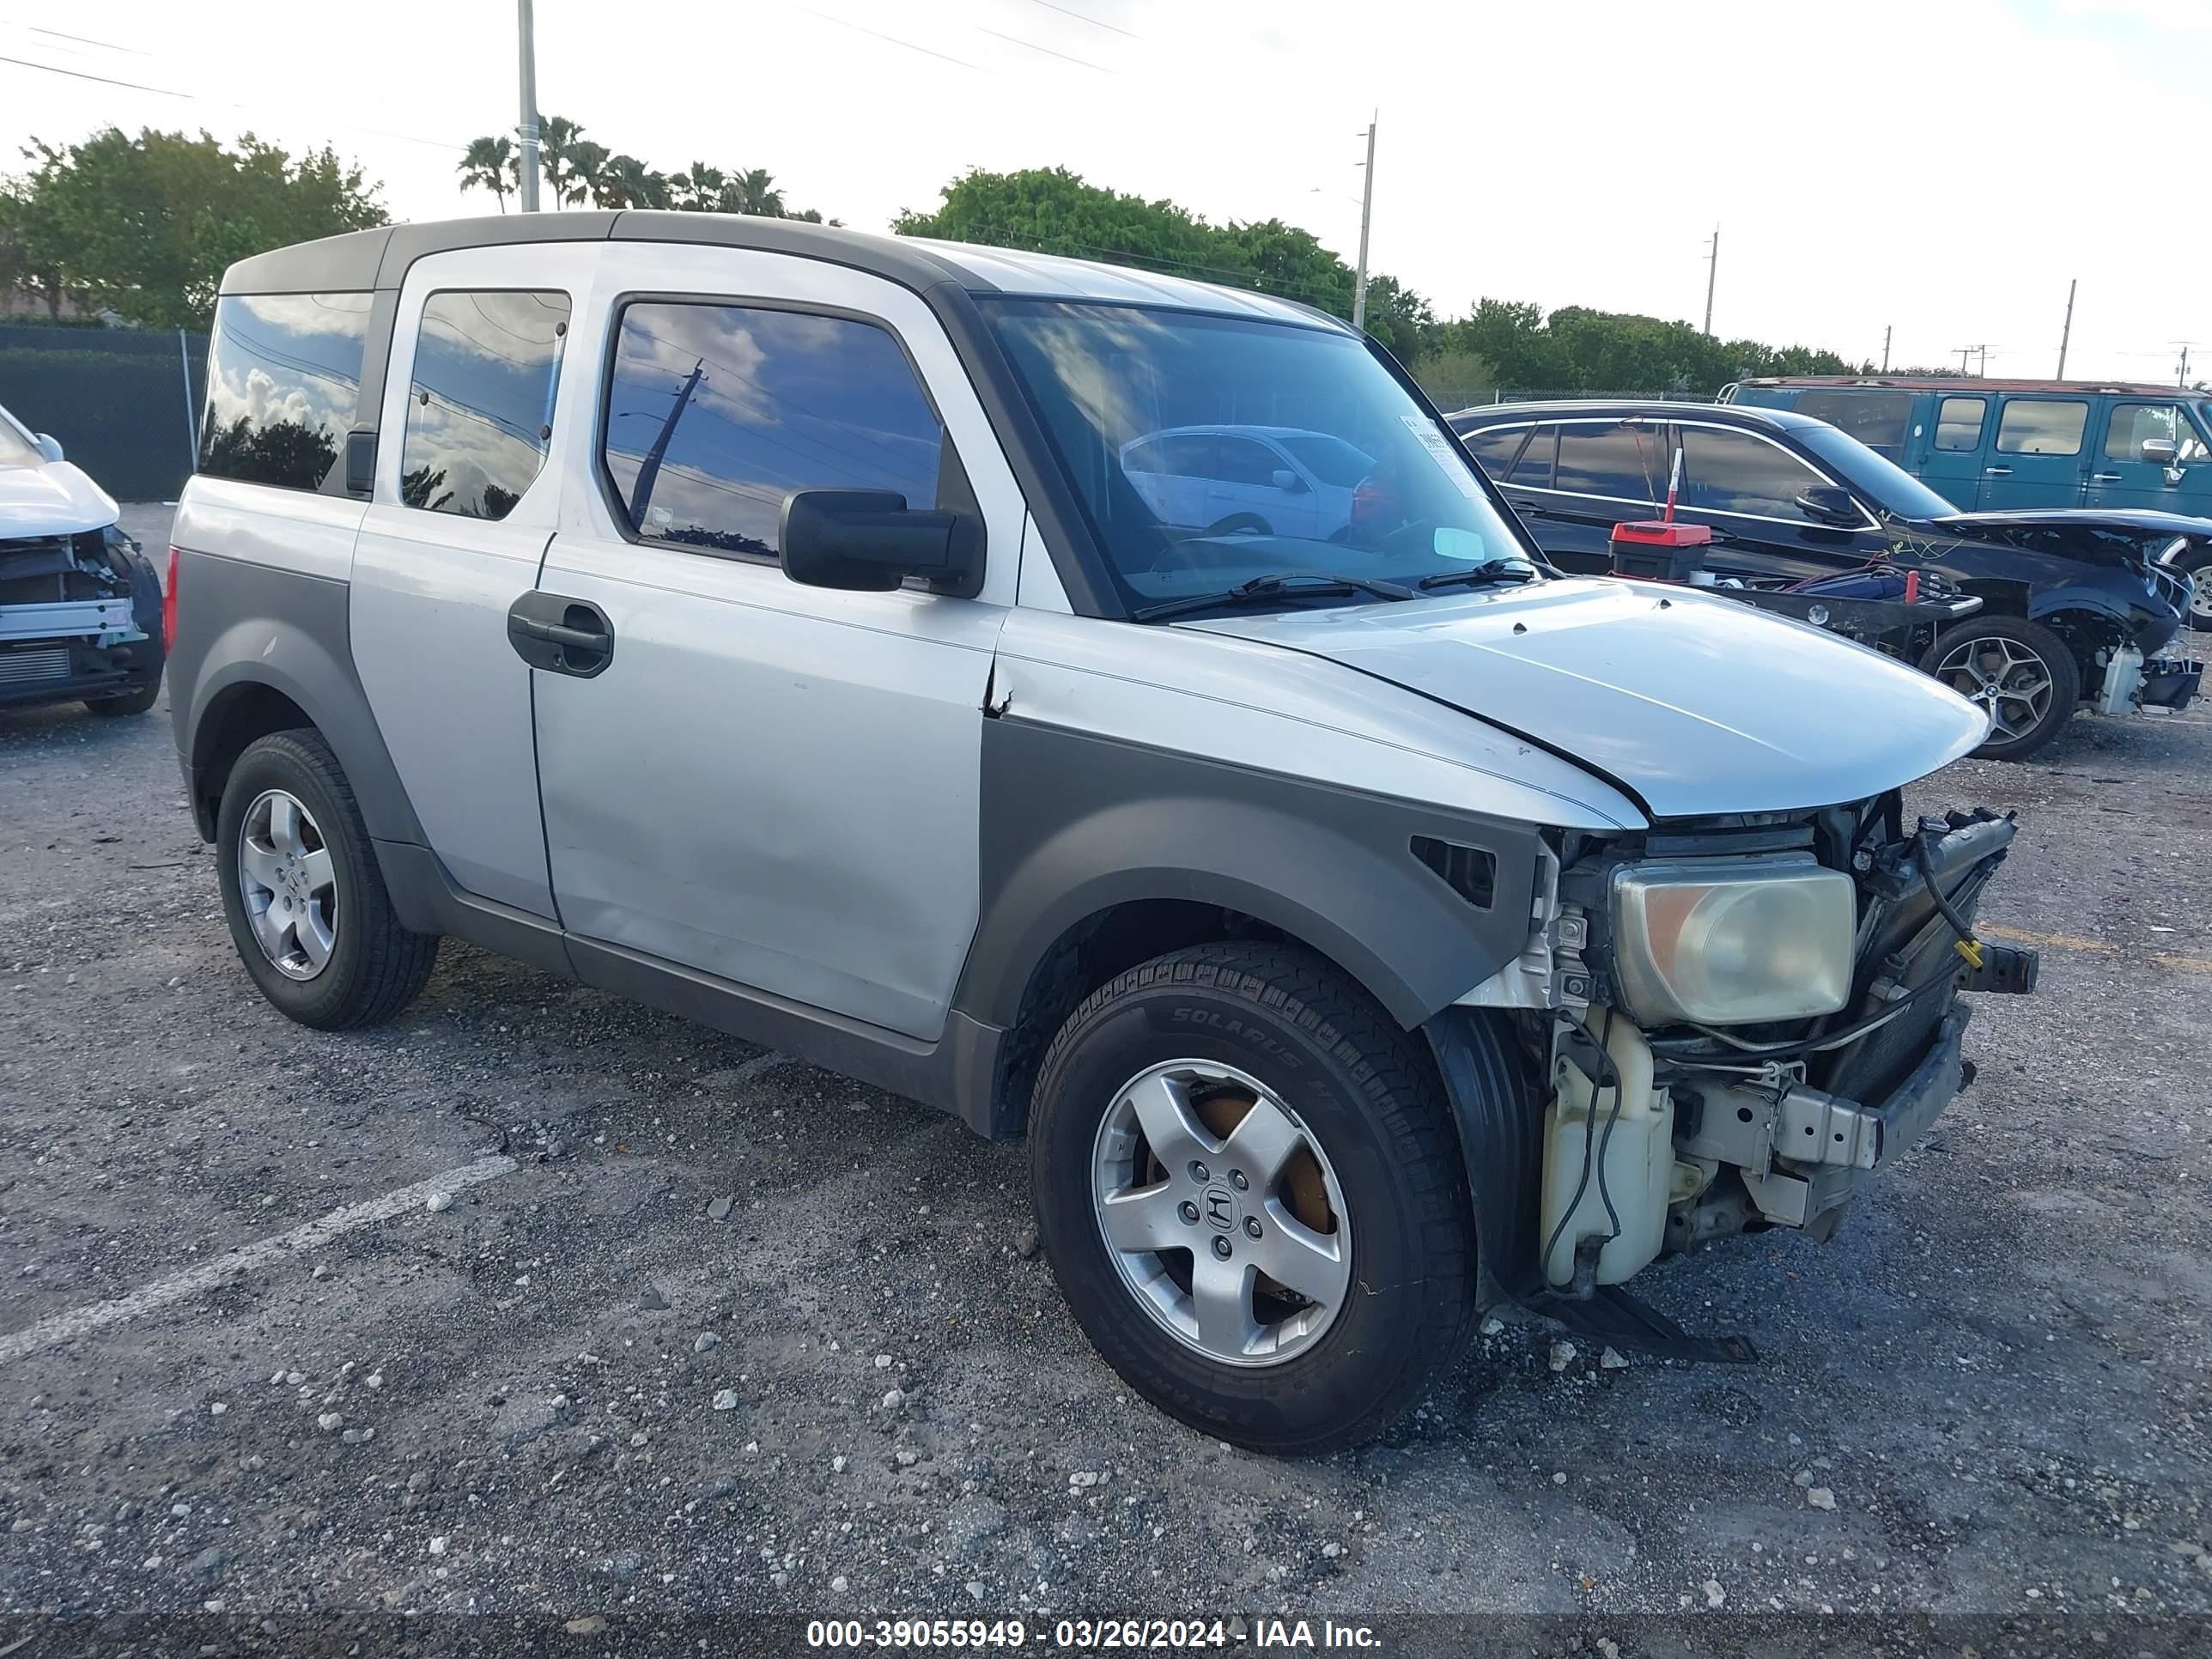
x: 1990, y: 446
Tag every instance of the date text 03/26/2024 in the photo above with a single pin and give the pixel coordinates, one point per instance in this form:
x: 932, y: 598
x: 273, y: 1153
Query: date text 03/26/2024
x: 1090, y: 1635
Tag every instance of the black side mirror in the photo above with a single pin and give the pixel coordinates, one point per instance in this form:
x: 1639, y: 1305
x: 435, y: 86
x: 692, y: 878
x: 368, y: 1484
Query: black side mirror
x: 1831, y: 504
x: 868, y: 541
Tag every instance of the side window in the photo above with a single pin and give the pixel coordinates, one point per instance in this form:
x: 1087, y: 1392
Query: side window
x: 1241, y: 461
x: 2039, y: 427
x: 283, y: 380
x: 1877, y: 419
x: 480, y: 402
x: 1735, y: 472
x: 2133, y: 425
x: 716, y: 412
x: 1496, y: 449
x: 1626, y: 462
x: 1183, y: 455
x: 1958, y: 422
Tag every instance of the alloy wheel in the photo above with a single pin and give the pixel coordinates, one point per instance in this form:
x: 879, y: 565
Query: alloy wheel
x: 2005, y: 678
x: 287, y: 884
x: 1221, y: 1213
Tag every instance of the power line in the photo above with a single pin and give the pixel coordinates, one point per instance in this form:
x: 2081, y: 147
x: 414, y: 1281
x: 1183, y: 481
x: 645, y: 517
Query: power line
x: 1096, y: 23
x: 893, y: 40
x: 1064, y: 58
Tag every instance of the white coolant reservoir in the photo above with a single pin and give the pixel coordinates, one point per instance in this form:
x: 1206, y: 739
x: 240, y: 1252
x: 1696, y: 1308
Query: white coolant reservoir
x: 1639, y: 1162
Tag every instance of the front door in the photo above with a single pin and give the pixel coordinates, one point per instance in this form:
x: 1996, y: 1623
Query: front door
x: 2122, y: 476
x: 1953, y: 451
x: 774, y: 785
x: 1745, y: 486
x: 2037, y: 460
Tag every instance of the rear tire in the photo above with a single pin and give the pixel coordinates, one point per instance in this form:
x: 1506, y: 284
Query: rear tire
x: 370, y: 966
x: 1998, y: 663
x: 1343, y: 1086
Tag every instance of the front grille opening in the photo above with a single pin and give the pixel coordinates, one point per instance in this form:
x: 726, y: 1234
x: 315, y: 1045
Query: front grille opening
x: 1471, y: 871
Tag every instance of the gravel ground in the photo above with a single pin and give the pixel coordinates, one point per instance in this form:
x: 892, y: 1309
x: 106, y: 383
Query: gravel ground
x: 735, y: 1333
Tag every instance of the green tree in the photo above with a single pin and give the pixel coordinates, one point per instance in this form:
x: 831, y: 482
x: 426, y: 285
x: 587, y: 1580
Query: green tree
x: 697, y: 189
x: 557, y: 137
x: 1577, y: 349
x: 753, y: 190
x: 1052, y: 211
x: 146, y: 225
x: 585, y: 159
x: 492, y: 164
x: 623, y: 181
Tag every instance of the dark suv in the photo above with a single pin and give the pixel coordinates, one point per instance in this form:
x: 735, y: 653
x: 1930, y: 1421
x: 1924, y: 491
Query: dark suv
x: 2076, y: 608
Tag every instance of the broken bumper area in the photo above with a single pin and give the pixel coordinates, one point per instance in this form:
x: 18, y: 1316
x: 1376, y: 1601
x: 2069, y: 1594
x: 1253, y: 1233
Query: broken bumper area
x: 65, y: 670
x: 2170, y: 683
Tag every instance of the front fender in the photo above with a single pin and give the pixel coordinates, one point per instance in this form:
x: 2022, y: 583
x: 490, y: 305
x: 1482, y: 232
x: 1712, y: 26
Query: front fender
x: 1075, y: 825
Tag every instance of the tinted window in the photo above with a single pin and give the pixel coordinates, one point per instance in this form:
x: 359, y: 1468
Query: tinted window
x: 2133, y: 425
x: 1180, y: 456
x: 1239, y: 460
x: 1531, y: 467
x: 1877, y: 419
x: 2029, y: 426
x: 1626, y: 461
x: 1496, y: 449
x: 284, y: 381
x: 715, y: 413
x: 1958, y: 422
x: 1735, y: 472
x: 1334, y: 462
x: 1102, y: 377
x: 480, y: 404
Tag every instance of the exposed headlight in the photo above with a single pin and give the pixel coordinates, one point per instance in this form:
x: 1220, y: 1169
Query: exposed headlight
x: 1728, y: 941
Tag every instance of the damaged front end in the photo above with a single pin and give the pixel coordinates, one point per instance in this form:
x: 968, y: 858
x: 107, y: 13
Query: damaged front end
x: 80, y: 617
x: 1717, y: 1028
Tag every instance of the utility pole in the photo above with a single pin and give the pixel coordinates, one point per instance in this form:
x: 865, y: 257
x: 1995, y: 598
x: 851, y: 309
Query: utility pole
x: 1366, y: 212
x: 1885, y: 328
x: 648, y: 471
x: 1964, y: 352
x: 2067, y: 333
x: 527, y: 29
x: 1712, y: 275
x: 2183, y: 382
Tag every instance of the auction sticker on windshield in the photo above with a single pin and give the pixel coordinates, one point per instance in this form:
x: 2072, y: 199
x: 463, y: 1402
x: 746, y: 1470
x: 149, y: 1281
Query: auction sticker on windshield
x: 1442, y: 452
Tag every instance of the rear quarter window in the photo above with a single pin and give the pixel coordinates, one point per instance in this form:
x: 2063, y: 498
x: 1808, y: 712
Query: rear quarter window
x: 283, y: 385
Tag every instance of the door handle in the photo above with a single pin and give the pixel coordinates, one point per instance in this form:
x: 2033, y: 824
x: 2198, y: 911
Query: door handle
x: 560, y: 635
x: 1997, y: 472
x: 2105, y: 478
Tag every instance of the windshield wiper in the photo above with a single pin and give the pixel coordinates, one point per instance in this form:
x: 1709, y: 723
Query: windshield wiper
x: 1290, y: 582
x: 1490, y: 570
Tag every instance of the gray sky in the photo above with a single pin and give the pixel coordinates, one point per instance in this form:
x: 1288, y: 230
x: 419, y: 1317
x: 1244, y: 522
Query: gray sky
x: 1944, y: 166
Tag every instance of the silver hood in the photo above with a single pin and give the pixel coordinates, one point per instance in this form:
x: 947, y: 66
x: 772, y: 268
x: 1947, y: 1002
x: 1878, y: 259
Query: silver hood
x: 1697, y: 705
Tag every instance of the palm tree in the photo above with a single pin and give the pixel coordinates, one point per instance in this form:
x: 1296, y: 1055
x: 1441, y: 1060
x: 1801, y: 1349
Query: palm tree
x: 698, y: 189
x: 557, y: 137
x: 624, y: 181
x: 753, y: 191
x: 585, y: 159
x: 489, y: 163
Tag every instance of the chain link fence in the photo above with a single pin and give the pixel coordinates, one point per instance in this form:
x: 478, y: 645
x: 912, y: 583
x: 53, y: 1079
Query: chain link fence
x: 125, y: 402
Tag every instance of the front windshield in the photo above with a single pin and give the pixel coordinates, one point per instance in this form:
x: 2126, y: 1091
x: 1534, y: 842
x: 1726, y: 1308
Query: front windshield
x: 1212, y: 451
x: 16, y: 449
x: 1881, y: 481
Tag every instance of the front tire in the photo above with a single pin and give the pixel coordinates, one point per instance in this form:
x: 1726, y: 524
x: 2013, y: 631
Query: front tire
x: 302, y: 893
x: 2195, y: 567
x: 2023, y: 675
x: 1249, y: 1187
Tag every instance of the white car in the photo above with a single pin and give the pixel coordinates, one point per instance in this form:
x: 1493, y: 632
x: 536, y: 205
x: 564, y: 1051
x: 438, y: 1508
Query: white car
x: 1250, y: 480
x: 80, y: 607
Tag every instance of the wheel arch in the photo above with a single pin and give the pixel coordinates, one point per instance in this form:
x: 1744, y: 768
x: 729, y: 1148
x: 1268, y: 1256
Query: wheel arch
x: 262, y: 676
